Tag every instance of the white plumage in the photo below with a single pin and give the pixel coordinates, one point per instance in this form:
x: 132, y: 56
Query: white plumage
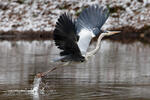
x: 84, y: 40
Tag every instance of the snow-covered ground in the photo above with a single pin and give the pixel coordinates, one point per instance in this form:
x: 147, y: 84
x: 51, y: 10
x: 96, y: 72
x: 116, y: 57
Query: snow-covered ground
x: 39, y: 15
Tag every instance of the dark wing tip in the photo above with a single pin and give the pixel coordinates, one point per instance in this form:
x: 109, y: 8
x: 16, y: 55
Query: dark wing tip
x: 65, y: 27
x: 65, y: 23
x: 65, y: 36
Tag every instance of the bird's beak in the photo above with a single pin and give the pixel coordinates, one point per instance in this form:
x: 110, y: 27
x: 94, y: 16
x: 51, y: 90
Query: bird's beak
x: 112, y: 32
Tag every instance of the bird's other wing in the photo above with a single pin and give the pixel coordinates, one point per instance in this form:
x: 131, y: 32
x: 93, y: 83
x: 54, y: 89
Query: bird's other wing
x: 89, y: 24
x: 92, y: 18
x: 65, y: 36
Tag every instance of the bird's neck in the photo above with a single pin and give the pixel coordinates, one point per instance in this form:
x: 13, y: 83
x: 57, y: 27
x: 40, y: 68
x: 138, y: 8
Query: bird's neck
x: 97, y: 45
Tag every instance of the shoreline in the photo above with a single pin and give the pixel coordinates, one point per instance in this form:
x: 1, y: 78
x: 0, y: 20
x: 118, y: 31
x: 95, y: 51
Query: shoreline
x: 130, y: 34
x: 25, y: 35
x: 127, y: 35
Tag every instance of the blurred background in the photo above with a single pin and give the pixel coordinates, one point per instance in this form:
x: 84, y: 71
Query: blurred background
x: 131, y: 17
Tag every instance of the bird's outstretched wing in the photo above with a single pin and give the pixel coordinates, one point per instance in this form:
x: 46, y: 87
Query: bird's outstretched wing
x: 92, y: 18
x: 65, y: 37
x: 89, y: 25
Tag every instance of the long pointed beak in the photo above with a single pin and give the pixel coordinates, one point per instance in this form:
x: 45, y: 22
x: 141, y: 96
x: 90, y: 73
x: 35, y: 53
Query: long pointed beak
x: 113, y: 32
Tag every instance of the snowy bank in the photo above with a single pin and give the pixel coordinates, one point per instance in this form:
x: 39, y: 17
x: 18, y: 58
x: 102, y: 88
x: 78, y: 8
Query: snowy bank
x: 41, y: 15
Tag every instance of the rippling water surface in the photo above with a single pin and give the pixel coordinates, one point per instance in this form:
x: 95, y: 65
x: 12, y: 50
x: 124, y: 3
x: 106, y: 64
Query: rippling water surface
x: 117, y: 72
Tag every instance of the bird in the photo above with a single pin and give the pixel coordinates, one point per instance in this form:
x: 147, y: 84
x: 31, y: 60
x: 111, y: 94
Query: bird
x: 73, y: 36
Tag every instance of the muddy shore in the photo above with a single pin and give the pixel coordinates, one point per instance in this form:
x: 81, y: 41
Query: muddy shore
x: 127, y: 35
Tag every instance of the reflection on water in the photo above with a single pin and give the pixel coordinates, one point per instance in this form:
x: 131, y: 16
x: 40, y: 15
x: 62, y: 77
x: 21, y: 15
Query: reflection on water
x: 118, y: 71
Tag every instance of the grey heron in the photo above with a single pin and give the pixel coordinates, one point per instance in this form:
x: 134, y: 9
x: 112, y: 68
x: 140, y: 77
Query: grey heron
x: 73, y: 36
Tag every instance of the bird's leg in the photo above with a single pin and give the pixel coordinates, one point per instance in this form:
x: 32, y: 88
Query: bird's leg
x: 39, y: 75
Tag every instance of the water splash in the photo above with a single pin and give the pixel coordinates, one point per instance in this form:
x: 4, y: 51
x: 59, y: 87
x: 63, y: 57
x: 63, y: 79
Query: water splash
x: 37, y: 81
x: 35, y: 90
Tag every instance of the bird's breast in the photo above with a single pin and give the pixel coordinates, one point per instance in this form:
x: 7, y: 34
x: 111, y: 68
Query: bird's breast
x: 85, y: 37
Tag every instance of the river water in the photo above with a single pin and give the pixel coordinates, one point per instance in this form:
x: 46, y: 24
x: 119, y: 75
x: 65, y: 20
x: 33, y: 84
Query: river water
x: 117, y: 72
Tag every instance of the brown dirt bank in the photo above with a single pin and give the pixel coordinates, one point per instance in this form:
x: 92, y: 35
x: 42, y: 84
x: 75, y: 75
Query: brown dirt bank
x: 128, y: 34
x: 25, y: 35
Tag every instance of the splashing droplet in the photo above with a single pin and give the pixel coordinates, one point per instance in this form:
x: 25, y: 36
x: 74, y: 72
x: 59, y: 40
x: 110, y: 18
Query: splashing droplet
x: 36, y: 84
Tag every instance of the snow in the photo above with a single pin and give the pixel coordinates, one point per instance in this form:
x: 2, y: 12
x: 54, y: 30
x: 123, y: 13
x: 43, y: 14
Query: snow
x: 39, y: 15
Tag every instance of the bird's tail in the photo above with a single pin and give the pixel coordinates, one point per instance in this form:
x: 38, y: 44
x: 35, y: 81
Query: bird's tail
x: 92, y: 18
x: 58, y: 59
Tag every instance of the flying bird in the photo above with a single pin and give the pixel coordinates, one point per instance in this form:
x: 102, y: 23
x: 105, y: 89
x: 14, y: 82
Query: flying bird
x: 73, y: 36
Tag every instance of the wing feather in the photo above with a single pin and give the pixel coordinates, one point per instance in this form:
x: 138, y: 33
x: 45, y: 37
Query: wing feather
x: 92, y: 18
x: 65, y: 37
x: 89, y: 25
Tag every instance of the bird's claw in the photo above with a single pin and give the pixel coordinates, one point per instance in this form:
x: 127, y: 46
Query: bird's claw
x: 39, y: 75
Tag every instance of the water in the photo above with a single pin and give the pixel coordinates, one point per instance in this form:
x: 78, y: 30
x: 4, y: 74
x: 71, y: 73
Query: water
x: 36, y: 84
x: 118, y: 71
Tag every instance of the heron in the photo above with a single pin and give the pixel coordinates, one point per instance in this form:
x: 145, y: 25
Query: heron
x: 73, y: 36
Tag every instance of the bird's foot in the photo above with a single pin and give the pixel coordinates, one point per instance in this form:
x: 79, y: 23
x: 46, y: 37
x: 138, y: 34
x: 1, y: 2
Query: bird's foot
x: 39, y: 75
